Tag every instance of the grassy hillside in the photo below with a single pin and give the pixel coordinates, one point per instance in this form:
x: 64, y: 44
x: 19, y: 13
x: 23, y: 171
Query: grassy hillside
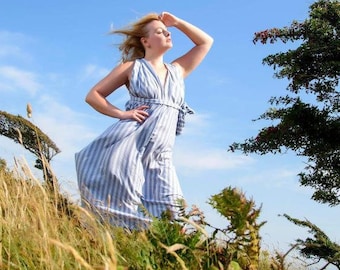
x: 42, y: 229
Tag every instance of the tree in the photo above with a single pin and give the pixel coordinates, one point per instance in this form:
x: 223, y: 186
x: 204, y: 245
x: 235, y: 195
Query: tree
x: 319, y: 247
x: 31, y: 138
x: 309, y: 129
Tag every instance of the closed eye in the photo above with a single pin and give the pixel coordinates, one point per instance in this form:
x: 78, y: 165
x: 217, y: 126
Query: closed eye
x: 166, y: 33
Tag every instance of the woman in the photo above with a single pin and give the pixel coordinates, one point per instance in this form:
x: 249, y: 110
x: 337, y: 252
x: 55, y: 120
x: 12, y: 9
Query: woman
x: 127, y: 173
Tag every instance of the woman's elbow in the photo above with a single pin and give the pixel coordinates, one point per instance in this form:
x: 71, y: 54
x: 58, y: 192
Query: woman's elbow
x: 89, y: 98
x: 210, y: 41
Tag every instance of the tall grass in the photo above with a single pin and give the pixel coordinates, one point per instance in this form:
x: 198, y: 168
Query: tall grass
x: 38, y: 232
x: 42, y: 229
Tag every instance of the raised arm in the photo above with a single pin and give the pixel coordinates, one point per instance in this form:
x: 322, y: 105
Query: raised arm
x: 203, y: 42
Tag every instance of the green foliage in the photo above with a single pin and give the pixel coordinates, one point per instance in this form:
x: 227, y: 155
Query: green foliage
x: 33, y: 139
x: 315, y: 65
x: 42, y: 229
x: 312, y: 129
x: 319, y: 247
x: 174, y: 244
x: 28, y: 135
x: 243, y: 231
x: 185, y: 244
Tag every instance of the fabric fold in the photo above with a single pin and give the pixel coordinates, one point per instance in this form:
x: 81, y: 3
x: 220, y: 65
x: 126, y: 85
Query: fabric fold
x: 183, y: 109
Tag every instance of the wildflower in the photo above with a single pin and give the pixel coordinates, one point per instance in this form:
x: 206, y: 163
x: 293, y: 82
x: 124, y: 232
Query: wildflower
x: 29, y: 110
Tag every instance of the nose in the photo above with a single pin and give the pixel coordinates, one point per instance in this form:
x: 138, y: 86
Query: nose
x: 166, y: 33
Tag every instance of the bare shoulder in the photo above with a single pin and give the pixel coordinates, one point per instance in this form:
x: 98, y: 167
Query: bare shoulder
x: 125, y: 66
x: 121, y: 72
x: 126, y: 69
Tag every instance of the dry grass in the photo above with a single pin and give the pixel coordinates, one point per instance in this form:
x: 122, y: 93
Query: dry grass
x: 37, y: 233
x: 42, y: 229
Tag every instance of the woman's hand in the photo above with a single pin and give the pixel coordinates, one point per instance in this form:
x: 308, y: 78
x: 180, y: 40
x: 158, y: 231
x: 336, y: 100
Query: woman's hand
x: 138, y: 114
x: 168, y: 19
x: 202, y: 43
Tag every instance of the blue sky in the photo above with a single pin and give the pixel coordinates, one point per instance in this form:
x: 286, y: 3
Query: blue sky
x: 53, y: 52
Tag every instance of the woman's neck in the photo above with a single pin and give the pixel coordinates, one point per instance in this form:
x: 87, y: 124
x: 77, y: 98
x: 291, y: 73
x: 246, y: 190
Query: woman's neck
x: 154, y: 60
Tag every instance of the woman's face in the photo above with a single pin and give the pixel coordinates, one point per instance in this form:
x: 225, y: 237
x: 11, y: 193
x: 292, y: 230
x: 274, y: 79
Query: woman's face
x: 158, y: 36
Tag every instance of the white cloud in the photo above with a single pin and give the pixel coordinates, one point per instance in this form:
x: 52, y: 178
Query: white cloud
x: 65, y: 126
x: 10, y: 45
x: 7, y: 50
x: 15, y: 79
x: 196, y: 149
x: 196, y: 124
x: 91, y: 71
x: 198, y: 159
x: 12, y: 78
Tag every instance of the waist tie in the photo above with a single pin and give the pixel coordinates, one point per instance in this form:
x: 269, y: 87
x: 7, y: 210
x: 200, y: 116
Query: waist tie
x: 182, y: 109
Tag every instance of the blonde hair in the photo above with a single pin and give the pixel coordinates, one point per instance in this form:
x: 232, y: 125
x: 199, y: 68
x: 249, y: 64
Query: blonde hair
x: 132, y: 47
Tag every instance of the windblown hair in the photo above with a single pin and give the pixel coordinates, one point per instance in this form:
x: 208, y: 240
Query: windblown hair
x: 132, y: 47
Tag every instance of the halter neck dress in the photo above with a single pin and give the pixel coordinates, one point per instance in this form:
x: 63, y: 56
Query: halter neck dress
x: 126, y: 174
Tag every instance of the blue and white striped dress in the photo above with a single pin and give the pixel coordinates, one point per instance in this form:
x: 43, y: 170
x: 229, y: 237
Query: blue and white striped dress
x: 128, y: 169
